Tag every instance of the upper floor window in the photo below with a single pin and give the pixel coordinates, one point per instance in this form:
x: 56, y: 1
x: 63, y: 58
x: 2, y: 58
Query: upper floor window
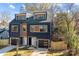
x: 24, y: 28
x: 43, y: 28
x: 20, y: 16
x: 38, y: 28
x: 40, y: 15
x: 14, y: 28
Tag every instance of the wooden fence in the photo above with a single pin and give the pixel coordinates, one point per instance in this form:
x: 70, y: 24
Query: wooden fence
x: 58, y: 45
x: 4, y: 42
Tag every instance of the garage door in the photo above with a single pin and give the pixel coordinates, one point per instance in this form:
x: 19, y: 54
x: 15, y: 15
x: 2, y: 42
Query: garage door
x: 43, y: 43
x: 14, y: 41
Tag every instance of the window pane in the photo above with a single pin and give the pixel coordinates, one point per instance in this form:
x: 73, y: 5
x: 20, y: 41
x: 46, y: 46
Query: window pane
x: 21, y: 17
x: 24, y: 27
x: 40, y: 15
x: 14, y: 28
x: 43, y: 28
x: 38, y: 28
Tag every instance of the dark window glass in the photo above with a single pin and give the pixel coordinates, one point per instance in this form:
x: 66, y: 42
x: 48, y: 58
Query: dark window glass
x: 40, y: 15
x: 38, y: 28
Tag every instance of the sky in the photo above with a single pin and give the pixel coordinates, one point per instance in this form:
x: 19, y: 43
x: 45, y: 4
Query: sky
x: 11, y: 8
x: 14, y: 8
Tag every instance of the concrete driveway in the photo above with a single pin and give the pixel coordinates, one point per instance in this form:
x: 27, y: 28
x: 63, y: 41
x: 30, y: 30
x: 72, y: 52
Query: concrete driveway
x: 39, y: 52
x: 6, y: 49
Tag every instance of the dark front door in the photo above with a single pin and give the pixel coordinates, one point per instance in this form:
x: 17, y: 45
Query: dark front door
x: 30, y: 41
x: 21, y: 41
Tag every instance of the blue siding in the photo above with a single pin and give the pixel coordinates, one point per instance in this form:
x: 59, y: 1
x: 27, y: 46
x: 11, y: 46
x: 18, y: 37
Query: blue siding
x: 31, y: 21
x: 14, y: 34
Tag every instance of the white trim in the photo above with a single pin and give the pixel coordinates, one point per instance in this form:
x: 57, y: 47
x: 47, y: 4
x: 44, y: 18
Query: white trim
x: 15, y: 38
x: 33, y: 41
x: 24, y: 40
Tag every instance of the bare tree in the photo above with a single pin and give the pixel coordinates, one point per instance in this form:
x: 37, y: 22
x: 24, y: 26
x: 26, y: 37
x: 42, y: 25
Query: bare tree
x: 66, y: 23
x: 4, y: 19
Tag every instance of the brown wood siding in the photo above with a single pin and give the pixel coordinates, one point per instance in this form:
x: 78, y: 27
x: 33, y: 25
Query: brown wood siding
x: 23, y: 33
x: 58, y: 45
x: 37, y: 28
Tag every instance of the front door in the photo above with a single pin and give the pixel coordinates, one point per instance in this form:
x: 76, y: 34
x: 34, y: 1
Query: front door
x: 21, y: 41
x: 30, y: 41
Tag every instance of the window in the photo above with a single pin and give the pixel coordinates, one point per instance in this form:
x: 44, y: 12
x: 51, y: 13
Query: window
x: 14, y: 28
x: 40, y: 15
x: 38, y: 28
x: 20, y: 16
x: 43, y: 28
x: 24, y: 27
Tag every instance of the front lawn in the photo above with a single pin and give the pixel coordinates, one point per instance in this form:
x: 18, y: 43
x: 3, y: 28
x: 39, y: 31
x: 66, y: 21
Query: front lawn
x: 22, y: 51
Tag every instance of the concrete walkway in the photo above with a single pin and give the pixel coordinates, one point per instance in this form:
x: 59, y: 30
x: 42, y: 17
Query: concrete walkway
x: 39, y: 52
x: 6, y: 49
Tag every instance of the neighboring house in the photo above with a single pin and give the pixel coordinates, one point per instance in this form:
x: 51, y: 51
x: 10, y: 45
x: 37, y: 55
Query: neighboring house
x: 4, y: 34
x: 32, y: 31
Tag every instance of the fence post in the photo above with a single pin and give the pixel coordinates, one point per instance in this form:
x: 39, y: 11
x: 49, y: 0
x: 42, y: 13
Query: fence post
x: 10, y: 41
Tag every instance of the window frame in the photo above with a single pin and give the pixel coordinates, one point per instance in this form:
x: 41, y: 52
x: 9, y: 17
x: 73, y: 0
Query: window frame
x: 22, y: 27
x: 12, y: 26
x: 38, y: 15
x: 21, y: 16
x: 39, y: 29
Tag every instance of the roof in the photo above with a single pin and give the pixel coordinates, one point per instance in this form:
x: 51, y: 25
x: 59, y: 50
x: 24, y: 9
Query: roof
x: 46, y: 21
x: 4, y: 34
x: 29, y: 20
x: 2, y: 30
x: 17, y: 21
x: 14, y: 21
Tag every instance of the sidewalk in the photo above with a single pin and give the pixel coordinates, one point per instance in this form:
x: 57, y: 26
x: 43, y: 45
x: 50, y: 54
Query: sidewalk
x: 6, y: 49
x: 39, y: 52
